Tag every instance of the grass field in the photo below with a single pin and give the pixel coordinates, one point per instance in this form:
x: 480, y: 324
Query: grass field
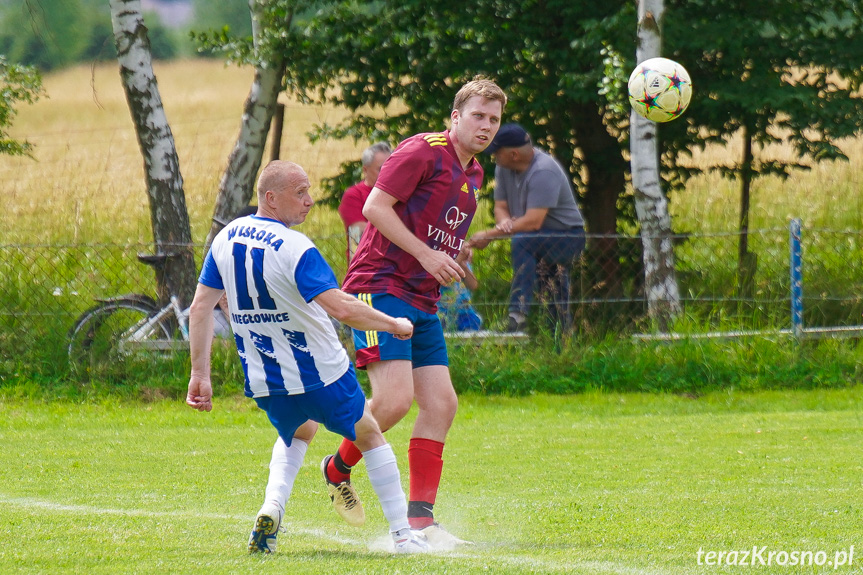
x: 587, y: 484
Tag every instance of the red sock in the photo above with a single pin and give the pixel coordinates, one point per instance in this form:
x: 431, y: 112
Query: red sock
x: 339, y: 467
x: 425, y: 460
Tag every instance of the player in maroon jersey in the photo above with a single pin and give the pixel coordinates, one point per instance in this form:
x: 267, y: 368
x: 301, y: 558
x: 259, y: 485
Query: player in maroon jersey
x: 419, y: 213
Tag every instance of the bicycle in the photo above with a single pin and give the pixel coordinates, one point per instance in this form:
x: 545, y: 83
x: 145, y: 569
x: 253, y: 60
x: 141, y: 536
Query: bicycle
x: 120, y: 326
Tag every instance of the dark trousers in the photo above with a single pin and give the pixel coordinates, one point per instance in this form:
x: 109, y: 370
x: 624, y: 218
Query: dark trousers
x: 541, y: 260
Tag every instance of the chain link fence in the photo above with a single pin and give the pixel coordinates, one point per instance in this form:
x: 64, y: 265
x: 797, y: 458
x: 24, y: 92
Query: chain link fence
x: 44, y: 288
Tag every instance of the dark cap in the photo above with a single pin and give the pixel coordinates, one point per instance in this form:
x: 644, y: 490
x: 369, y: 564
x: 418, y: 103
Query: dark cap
x: 508, y: 136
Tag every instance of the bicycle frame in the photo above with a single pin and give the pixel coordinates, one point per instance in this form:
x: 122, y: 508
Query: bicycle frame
x: 138, y: 336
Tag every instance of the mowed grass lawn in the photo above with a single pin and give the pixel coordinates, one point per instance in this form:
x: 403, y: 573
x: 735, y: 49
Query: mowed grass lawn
x: 546, y: 484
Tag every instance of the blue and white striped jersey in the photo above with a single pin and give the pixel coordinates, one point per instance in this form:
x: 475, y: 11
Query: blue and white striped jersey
x: 271, y: 273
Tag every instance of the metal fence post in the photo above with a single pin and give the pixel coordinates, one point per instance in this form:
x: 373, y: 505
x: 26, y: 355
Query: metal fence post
x: 795, y: 230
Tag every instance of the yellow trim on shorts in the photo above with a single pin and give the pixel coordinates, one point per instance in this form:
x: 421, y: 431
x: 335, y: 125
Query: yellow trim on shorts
x: 371, y: 336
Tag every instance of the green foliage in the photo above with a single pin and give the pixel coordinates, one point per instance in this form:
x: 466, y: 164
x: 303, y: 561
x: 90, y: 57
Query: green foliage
x: 149, y: 376
x: 768, y: 68
x: 350, y: 173
x: 546, y: 59
x: 18, y: 84
x: 100, y: 46
x: 47, y: 34
x: 53, y: 34
x: 783, y: 71
x: 691, y: 366
x: 163, y: 45
x: 221, y: 14
x: 43, y: 290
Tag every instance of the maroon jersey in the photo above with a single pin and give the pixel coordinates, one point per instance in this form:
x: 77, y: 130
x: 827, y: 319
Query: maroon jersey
x: 351, y: 206
x: 436, y: 201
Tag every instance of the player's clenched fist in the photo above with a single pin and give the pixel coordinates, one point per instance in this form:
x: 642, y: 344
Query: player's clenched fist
x: 200, y: 394
x: 404, y: 328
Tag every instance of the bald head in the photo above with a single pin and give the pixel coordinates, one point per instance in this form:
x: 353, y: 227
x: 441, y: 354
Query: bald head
x: 279, y: 174
x: 283, y: 192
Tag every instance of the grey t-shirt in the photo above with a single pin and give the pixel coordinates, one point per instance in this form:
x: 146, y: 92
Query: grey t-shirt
x: 545, y: 184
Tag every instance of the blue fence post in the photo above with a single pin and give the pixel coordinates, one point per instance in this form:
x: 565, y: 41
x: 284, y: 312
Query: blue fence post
x: 795, y: 230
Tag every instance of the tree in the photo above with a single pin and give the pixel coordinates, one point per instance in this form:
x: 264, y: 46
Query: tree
x: 238, y: 182
x: 168, y: 214
x: 766, y: 72
x: 547, y: 57
x: 18, y: 84
x: 787, y: 70
x: 660, y: 282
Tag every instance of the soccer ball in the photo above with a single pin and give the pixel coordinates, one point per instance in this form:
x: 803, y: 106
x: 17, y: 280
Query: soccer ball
x: 659, y: 89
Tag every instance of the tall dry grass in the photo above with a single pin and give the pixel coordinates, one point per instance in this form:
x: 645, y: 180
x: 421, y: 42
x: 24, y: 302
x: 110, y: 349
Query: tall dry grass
x: 86, y: 182
x: 827, y: 196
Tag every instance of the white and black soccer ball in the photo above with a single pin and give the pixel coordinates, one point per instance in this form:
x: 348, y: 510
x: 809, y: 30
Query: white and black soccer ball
x: 660, y: 89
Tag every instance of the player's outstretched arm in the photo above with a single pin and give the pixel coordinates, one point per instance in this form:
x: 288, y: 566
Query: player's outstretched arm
x: 351, y: 311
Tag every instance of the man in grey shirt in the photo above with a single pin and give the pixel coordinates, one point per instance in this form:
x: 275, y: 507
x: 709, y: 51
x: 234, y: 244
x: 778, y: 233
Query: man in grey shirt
x: 534, y: 205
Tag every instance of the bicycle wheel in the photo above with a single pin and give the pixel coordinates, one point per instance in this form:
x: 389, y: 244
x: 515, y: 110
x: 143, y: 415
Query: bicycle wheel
x: 97, y: 339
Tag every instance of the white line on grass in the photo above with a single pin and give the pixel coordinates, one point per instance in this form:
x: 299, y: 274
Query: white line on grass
x: 549, y: 565
x: 89, y: 510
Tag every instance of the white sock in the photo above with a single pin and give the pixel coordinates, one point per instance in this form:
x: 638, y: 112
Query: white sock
x: 284, y: 466
x: 386, y: 481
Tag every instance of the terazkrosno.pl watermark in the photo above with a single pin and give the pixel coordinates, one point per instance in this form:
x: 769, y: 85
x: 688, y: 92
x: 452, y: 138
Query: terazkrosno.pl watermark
x: 759, y: 555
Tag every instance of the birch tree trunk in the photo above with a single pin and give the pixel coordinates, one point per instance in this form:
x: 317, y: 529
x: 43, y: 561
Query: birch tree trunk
x: 168, y: 215
x: 651, y: 206
x: 238, y: 182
